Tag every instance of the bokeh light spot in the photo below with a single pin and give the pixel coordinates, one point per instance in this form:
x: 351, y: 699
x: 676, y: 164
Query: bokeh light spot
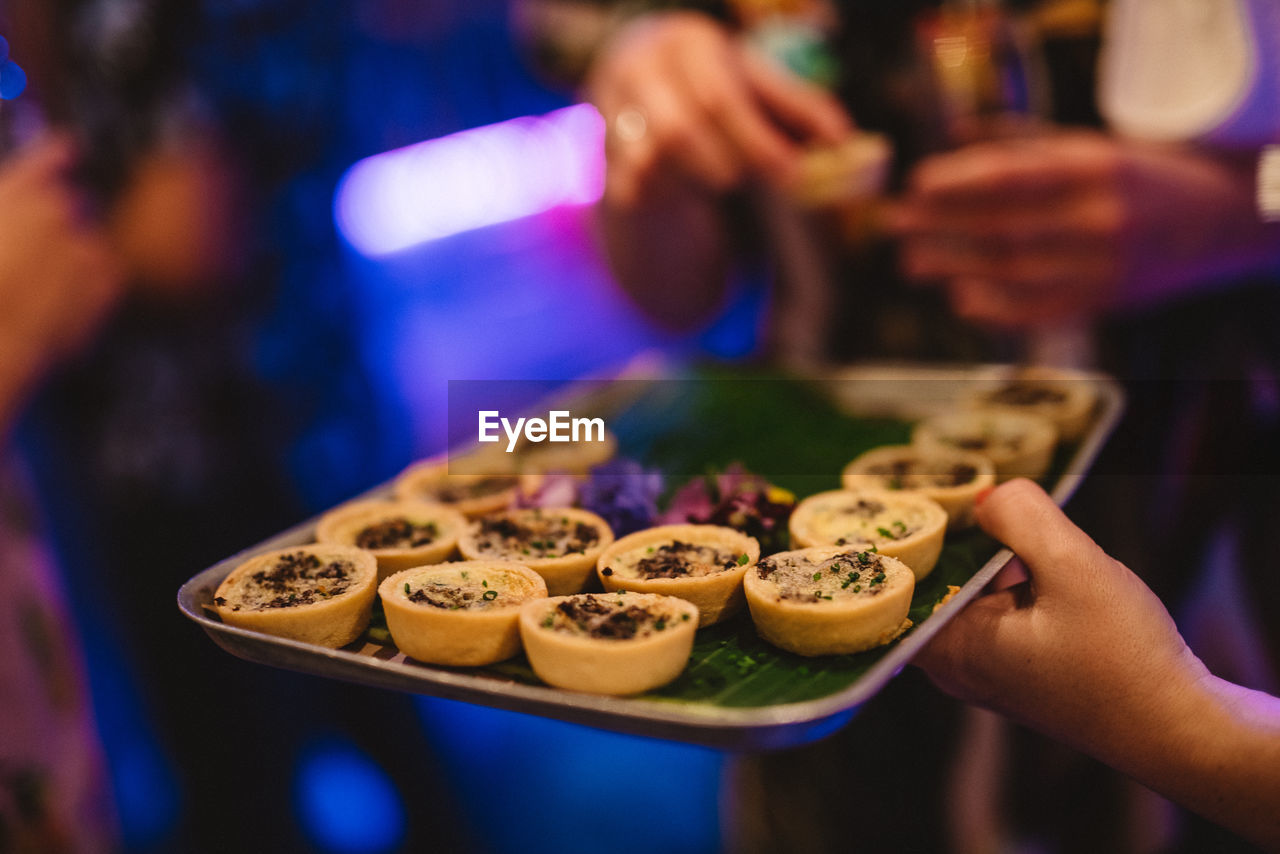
x: 13, y: 80
x: 346, y: 804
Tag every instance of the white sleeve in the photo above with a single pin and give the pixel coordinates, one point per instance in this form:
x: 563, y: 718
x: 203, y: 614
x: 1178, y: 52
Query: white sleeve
x: 1193, y: 70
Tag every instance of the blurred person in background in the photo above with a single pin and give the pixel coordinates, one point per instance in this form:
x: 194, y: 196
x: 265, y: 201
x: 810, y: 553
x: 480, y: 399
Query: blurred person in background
x: 58, y: 279
x: 1027, y: 227
x: 139, y: 270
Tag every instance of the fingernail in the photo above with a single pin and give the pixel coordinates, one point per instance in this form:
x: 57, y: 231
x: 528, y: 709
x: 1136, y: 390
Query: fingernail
x: 982, y: 495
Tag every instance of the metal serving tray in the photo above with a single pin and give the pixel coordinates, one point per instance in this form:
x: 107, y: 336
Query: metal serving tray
x: 737, y: 691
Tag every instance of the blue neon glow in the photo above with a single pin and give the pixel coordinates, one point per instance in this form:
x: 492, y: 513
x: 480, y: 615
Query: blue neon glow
x: 538, y: 786
x: 13, y: 80
x: 467, y: 180
x: 346, y: 804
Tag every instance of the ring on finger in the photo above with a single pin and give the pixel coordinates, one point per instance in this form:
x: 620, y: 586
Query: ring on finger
x: 630, y: 124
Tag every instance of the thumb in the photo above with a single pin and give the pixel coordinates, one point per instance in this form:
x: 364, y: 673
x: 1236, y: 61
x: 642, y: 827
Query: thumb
x: 1023, y: 517
x: 957, y: 657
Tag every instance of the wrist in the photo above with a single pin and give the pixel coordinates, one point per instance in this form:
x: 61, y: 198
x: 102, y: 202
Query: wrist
x: 1213, y: 747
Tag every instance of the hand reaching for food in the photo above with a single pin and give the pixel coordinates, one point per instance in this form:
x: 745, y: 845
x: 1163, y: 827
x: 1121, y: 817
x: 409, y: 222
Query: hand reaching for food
x: 59, y: 276
x: 1030, y: 231
x: 687, y: 100
x: 1086, y: 653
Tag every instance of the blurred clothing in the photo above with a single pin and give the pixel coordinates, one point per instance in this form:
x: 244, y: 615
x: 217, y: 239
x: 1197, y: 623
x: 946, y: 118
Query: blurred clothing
x: 1206, y: 71
x: 54, y: 796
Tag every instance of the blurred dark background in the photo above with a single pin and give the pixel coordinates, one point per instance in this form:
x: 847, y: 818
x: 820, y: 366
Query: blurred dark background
x: 320, y: 368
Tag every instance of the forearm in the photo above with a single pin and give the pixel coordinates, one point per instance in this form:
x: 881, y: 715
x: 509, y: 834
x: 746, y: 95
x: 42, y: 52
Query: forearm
x: 1215, y: 749
x: 670, y: 255
x: 1204, y: 232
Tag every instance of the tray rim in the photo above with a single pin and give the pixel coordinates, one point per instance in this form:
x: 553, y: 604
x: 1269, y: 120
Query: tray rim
x: 721, y: 727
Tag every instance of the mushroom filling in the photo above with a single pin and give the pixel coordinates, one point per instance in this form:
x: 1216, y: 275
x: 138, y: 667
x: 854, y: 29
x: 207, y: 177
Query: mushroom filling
x: 397, y: 533
x: 676, y: 559
x: 908, y: 473
x: 842, y: 576
x: 608, y: 618
x: 534, y: 536
x: 297, y: 578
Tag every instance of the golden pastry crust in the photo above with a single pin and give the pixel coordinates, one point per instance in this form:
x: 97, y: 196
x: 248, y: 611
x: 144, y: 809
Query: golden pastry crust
x: 702, y: 564
x: 829, y: 600
x: 1017, y: 443
x: 902, y: 525
x: 400, y: 534
x: 608, y: 643
x: 950, y: 477
x: 463, y: 614
x: 471, y: 495
x: 561, y: 544
x: 850, y: 172
x: 320, y: 594
x: 1065, y: 399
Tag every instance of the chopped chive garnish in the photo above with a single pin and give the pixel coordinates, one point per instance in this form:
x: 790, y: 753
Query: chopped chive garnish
x: 464, y: 574
x: 484, y: 583
x: 490, y: 595
x: 885, y: 532
x: 742, y: 559
x: 406, y: 588
x: 817, y: 576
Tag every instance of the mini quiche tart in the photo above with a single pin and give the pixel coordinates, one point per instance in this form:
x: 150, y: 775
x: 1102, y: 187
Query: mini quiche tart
x: 561, y: 544
x: 903, y: 525
x: 829, y: 600
x: 469, y: 494
x: 1065, y: 399
x: 400, y: 534
x: 951, y: 478
x: 608, y: 643
x: 702, y: 564
x: 320, y: 594
x: 461, y: 614
x: 1017, y: 443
